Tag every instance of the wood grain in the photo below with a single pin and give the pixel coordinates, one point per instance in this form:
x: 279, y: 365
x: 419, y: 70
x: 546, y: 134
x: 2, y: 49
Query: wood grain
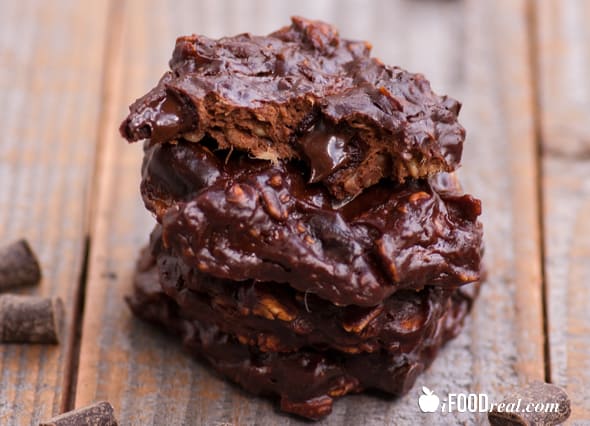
x: 50, y: 73
x: 563, y: 65
x: 477, y: 51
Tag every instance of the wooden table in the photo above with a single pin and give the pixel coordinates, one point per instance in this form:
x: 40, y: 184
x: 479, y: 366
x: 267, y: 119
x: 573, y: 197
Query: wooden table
x: 68, y: 183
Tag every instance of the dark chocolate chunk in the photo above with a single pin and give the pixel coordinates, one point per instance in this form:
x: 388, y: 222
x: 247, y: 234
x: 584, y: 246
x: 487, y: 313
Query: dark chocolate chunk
x: 537, y: 403
x: 277, y: 318
x: 278, y: 96
x: 30, y: 319
x: 18, y: 266
x: 306, y: 381
x: 249, y: 219
x: 98, y: 414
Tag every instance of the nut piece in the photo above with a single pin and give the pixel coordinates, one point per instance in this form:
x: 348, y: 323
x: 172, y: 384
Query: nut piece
x: 271, y: 309
x: 301, y: 227
x: 273, y: 205
x: 235, y: 194
x: 412, y: 167
x: 348, y: 349
x: 268, y: 343
x: 243, y: 339
x: 466, y: 278
x: 259, y: 131
x: 384, y: 250
x: 417, y: 196
x: 193, y: 136
x: 314, y: 409
x: 359, y: 324
x: 346, y: 387
x: 275, y: 181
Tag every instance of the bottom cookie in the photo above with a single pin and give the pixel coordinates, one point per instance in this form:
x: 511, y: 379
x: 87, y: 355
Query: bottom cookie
x: 306, y: 381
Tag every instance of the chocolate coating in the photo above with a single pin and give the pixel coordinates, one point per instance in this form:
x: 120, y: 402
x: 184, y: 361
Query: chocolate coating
x: 249, y: 219
x: 307, y: 381
x: 277, y: 318
x: 277, y: 96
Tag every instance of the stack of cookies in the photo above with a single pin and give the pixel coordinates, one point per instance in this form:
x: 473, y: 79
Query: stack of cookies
x: 311, y: 239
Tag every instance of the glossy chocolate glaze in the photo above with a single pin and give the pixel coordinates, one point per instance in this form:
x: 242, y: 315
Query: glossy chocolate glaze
x: 279, y: 95
x: 307, y: 381
x: 246, y: 219
x: 326, y: 152
x: 277, y: 318
x: 162, y: 117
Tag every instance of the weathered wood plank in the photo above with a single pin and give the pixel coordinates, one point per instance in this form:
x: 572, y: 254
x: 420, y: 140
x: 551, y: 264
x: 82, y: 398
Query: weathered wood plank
x: 562, y: 53
x: 50, y: 73
x: 563, y: 66
x: 477, y: 51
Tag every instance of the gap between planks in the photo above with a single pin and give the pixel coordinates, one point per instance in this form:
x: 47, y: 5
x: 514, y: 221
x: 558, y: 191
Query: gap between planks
x: 531, y: 20
x: 111, y: 65
x: 53, y: 60
x: 73, y: 356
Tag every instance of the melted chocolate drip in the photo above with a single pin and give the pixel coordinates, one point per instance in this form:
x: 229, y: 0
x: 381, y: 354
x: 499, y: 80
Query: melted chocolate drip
x: 325, y: 150
x: 161, y: 116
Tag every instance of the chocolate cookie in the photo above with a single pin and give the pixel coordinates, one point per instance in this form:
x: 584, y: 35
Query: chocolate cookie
x: 276, y: 318
x: 303, y: 92
x: 306, y: 381
x: 312, y: 240
x: 243, y: 219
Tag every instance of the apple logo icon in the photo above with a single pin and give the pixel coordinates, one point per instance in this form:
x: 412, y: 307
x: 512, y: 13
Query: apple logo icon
x: 429, y: 401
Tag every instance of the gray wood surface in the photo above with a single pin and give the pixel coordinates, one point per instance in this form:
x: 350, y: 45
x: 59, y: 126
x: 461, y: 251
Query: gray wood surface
x: 49, y: 96
x: 563, y: 64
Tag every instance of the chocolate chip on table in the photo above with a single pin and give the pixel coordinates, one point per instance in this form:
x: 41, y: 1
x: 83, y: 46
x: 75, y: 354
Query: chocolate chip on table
x: 98, y: 414
x: 548, y: 403
x: 30, y: 319
x: 18, y: 266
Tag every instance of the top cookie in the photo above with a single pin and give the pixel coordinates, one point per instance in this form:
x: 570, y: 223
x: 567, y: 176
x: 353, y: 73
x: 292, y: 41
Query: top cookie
x: 303, y: 92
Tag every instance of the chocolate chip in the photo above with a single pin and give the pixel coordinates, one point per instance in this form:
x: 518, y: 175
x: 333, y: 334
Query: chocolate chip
x: 98, y: 414
x: 538, y: 403
x: 18, y: 266
x: 30, y: 319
